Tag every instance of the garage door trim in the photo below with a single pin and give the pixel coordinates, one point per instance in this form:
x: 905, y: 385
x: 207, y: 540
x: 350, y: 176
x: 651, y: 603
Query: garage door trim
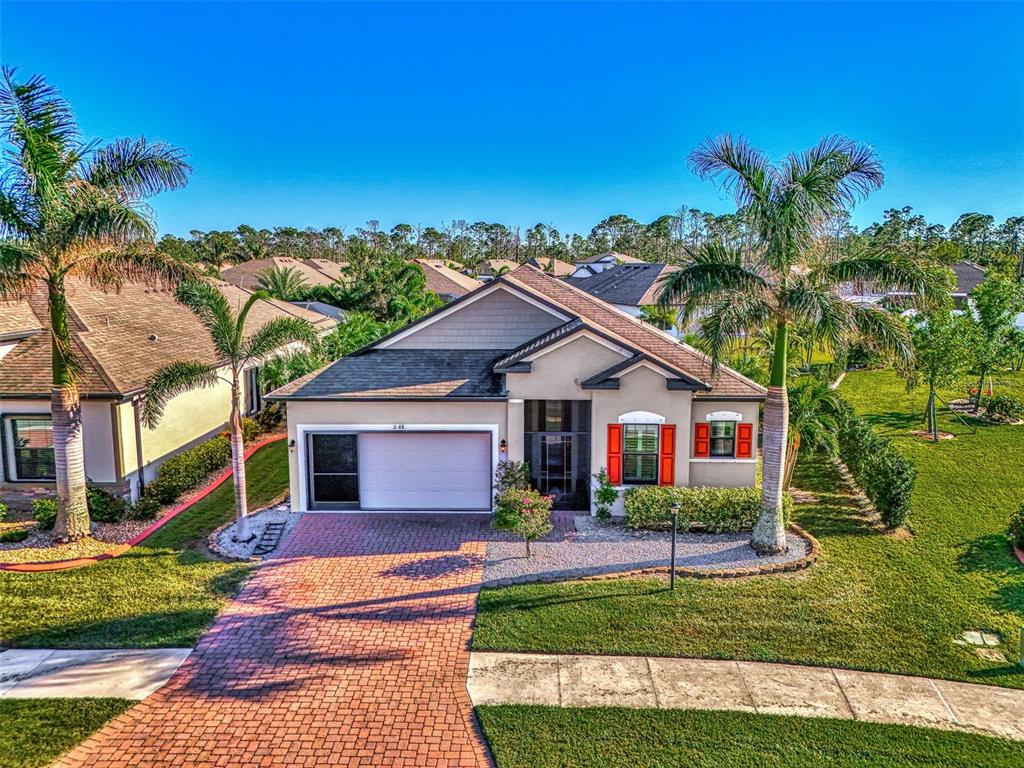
x: 303, y: 430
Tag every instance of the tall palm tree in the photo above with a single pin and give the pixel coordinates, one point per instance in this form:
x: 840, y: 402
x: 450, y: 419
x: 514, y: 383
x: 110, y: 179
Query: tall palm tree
x: 73, y: 209
x: 235, y: 350
x: 284, y: 283
x: 781, y: 282
x: 813, y: 410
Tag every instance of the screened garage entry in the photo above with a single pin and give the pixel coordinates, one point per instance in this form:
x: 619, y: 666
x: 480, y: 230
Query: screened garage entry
x: 400, y: 471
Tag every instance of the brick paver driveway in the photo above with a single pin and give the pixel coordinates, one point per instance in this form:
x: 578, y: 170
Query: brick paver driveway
x: 350, y: 647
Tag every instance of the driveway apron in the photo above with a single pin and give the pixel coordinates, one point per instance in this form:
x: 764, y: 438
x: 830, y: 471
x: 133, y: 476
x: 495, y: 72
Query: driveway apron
x: 349, y: 647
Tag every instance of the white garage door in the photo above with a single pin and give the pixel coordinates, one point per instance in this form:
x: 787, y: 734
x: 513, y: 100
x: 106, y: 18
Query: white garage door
x: 425, y: 470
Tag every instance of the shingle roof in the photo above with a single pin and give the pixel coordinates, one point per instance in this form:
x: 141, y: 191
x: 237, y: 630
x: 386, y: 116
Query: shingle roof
x: 527, y: 349
x: 628, y: 284
x: 445, y: 281
x: 122, y: 338
x: 17, y: 319
x: 313, y: 271
x: 968, y: 276
x: 620, y: 257
x: 725, y: 382
x: 402, y: 374
x: 561, y: 268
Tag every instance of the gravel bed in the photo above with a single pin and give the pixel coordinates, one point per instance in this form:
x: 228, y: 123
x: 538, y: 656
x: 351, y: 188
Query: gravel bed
x: 590, y: 548
x: 39, y: 546
x: 221, y: 539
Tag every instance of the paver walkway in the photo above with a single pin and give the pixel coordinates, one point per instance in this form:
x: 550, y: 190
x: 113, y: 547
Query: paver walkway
x: 27, y: 673
x: 348, y: 647
x: 782, y: 689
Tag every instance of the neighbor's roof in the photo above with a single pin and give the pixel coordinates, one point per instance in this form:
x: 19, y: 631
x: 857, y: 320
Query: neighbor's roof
x: 445, y: 281
x: 610, y: 256
x: 402, y: 374
x: 632, y: 285
x: 313, y: 271
x: 968, y: 276
x: 121, y: 339
x: 561, y: 268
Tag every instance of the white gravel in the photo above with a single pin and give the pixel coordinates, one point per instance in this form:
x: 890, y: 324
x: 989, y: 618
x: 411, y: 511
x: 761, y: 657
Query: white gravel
x: 221, y: 541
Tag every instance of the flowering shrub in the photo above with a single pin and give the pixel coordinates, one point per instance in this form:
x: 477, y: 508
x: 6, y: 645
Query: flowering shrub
x: 1005, y: 407
x: 524, y: 512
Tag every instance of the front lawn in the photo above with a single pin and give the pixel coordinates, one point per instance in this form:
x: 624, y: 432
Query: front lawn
x: 873, y: 602
x: 551, y: 737
x: 162, y: 593
x: 34, y: 732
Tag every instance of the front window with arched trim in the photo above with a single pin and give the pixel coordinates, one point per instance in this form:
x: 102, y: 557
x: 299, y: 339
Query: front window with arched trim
x: 640, y: 454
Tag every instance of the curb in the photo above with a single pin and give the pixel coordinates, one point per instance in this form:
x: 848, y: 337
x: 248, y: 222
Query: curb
x: 63, y: 565
x: 793, y: 566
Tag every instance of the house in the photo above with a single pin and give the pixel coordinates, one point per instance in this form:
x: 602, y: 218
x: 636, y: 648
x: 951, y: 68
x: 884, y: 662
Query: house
x: 968, y: 275
x: 491, y: 268
x: 628, y: 287
x: 313, y: 271
x: 527, y: 367
x: 593, y: 265
x: 120, y: 340
x: 555, y: 267
x: 446, y: 282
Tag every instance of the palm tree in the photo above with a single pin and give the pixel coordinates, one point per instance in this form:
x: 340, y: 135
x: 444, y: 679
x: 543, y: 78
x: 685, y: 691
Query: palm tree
x: 813, y: 408
x: 780, y: 281
x: 235, y: 351
x: 284, y: 283
x: 73, y: 209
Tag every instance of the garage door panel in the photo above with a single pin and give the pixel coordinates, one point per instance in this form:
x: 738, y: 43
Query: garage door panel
x: 425, y: 471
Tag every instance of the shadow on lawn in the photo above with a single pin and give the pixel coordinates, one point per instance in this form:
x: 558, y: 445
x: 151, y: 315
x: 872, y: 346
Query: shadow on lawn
x: 991, y: 554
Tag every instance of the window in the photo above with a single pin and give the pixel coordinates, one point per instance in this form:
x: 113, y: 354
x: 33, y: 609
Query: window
x: 640, y: 453
x: 723, y: 438
x: 30, y: 440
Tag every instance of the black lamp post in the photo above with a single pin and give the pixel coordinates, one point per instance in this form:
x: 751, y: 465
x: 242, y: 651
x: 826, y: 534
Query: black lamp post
x: 672, y: 566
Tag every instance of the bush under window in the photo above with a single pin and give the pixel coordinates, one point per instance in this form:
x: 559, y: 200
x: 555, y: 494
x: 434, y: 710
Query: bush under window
x: 717, y: 510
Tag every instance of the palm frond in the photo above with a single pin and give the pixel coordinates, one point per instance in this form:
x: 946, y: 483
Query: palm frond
x: 275, y: 334
x: 135, y: 168
x: 139, y: 262
x: 213, y: 310
x: 19, y: 266
x: 713, y: 269
x: 884, y: 330
x: 820, y: 308
x: 889, y: 271
x: 737, y: 167
x: 728, y: 319
x: 835, y: 173
x: 173, y: 380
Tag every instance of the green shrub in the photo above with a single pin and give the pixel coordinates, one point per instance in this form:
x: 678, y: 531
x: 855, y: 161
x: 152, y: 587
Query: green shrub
x: 511, y: 475
x: 3, y: 511
x: 270, y: 417
x: 44, y: 511
x: 524, y: 512
x: 1016, y: 529
x: 605, y: 495
x: 250, y: 430
x: 146, y: 508
x: 104, y: 507
x: 13, y: 536
x: 188, y: 469
x: 884, y: 474
x: 718, y: 510
x: 1004, y: 406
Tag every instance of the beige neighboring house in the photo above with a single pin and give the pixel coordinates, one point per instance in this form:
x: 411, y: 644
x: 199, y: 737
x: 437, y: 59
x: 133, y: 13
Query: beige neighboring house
x: 120, y: 340
x: 446, y: 282
x: 490, y: 268
x: 314, y: 271
x: 594, y: 265
x: 526, y: 367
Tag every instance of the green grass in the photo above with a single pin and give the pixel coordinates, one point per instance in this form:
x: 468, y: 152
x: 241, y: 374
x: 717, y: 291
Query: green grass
x: 162, y: 593
x: 33, y: 732
x: 873, y: 602
x: 548, y: 737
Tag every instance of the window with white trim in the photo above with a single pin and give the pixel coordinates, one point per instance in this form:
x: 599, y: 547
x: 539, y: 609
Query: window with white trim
x: 29, y: 447
x: 640, y: 454
x: 723, y: 438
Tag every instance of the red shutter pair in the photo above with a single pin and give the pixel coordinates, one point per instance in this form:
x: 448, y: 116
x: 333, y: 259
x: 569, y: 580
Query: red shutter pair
x: 702, y: 440
x: 666, y: 454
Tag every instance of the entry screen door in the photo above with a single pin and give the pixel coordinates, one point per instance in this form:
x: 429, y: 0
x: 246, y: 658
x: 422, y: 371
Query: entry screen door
x: 333, y: 471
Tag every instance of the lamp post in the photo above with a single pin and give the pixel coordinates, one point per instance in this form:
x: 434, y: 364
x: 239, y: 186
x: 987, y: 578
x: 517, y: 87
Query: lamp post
x: 672, y: 565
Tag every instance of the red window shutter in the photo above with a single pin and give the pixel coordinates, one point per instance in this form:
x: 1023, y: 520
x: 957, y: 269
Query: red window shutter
x: 701, y: 439
x: 615, y: 454
x: 667, y: 455
x: 744, y: 441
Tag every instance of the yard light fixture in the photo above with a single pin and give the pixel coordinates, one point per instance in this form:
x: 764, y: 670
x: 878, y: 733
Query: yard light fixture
x: 291, y: 445
x: 672, y: 560
x: 503, y: 448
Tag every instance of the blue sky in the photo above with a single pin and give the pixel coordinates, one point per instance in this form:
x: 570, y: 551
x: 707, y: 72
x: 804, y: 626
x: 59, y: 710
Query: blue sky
x: 333, y: 113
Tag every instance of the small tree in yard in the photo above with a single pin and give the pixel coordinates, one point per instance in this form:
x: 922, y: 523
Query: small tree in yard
x: 813, y: 410
x: 995, y: 303
x: 942, y: 355
x: 526, y: 513
x: 235, y: 350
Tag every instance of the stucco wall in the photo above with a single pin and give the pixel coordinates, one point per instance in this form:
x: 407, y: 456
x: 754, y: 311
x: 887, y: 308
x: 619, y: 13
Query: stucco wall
x: 556, y: 375
x: 407, y: 413
x: 729, y: 473
x: 499, y: 320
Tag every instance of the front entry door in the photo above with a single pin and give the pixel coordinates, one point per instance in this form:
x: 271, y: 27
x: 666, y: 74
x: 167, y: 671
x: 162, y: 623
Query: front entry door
x: 557, y: 442
x: 333, y: 471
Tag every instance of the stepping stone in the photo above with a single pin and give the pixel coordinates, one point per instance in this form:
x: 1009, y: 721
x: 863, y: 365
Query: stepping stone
x: 990, y: 639
x: 973, y: 637
x: 270, y: 539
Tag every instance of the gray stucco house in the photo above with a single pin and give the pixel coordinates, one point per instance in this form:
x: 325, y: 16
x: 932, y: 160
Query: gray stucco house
x: 526, y: 367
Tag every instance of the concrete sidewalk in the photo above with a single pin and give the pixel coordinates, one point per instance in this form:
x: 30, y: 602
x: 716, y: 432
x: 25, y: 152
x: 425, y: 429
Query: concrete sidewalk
x: 672, y: 683
x: 125, y: 674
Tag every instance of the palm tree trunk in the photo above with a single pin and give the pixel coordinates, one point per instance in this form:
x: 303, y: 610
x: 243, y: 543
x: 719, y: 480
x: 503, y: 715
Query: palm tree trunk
x: 72, y: 521
x: 243, y: 531
x: 769, y: 535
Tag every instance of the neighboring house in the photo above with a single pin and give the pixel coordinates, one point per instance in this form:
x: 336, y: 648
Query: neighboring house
x: 120, y: 340
x: 593, y: 265
x: 313, y: 271
x: 321, y: 308
x: 526, y: 367
x: 446, y: 282
x: 627, y: 286
x: 491, y: 268
x: 555, y: 267
x: 968, y: 276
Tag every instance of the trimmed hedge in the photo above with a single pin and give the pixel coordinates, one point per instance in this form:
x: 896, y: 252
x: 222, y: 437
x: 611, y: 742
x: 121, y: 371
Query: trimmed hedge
x: 182, y: 473
x: 884, y: 474
x: 718, y: 510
